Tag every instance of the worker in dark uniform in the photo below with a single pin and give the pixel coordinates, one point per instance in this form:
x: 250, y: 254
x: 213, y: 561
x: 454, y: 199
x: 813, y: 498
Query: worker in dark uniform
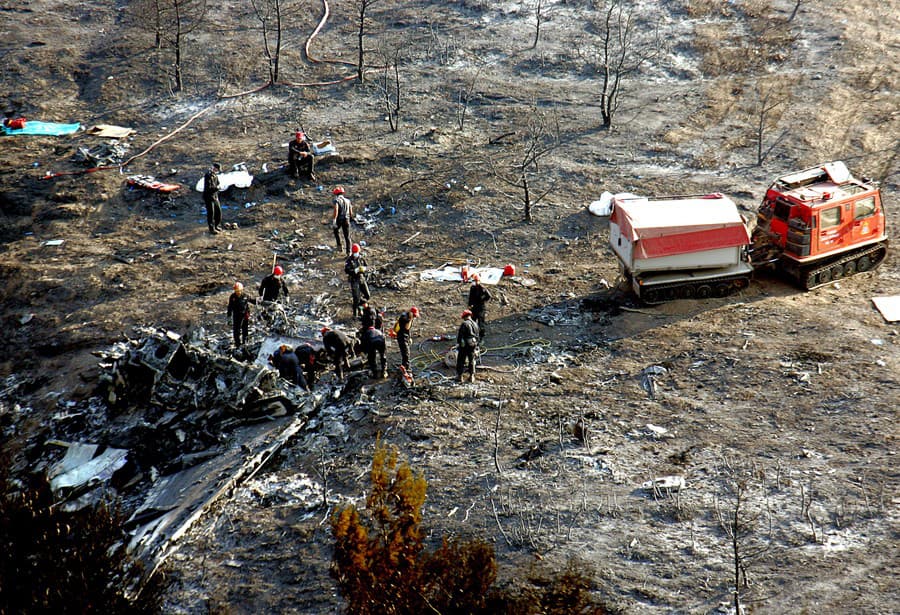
x: 355, y: 267
x: 373, y: 344
x: 273, y: 286
x: 478, y: 297
x: 288, y: 365
x: 300, y: 157
x: 343, y: 213
x: 306, y: 354
x: 371, y: 317
x: 402, y: 329
x: 239, y: 311
x: 211, y: 199
x: 466, y: 343
x: 338, y: 346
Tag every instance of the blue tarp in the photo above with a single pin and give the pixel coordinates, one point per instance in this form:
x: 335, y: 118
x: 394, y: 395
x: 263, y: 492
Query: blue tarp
x: 33, y: 127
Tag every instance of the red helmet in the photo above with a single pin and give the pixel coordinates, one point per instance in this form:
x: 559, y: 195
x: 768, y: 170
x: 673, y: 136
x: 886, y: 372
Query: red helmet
x: 278, y: 270
x: 324, y: 330
x: 299, y: 135
x: 338, y: 190
x: 414, y: 311
x: 475, y: 277
x: 354, y: 249
x: 466, y: 313
x: 238, y: 286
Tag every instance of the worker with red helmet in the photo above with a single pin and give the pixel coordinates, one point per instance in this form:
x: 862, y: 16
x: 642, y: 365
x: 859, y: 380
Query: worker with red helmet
x: 287, y: 363
x: 273, y: 285
x: 340, y: 222
x: 466, y: 343
x: 402, y: 330
x: 300, y: 157
x: 239, y: 311
x: 355, y: 267
x: 478, y: 297
x: 338, y: 346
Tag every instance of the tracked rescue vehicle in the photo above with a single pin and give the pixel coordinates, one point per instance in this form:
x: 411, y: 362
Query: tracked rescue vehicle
x: 820, y: 225
x: 814, y: 226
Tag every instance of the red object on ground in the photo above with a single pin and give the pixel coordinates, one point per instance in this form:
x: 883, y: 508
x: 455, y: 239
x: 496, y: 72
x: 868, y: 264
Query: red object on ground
x: 464, y: 272
x: 16, y: 124
x: 509, y: 270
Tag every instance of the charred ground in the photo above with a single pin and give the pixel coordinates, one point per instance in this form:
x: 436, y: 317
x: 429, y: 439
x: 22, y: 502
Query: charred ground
x: 792, y: 395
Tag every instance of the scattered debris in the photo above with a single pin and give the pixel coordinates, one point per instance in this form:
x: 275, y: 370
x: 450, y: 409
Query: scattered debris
x: 110, y: 131
x: 54, y: 242
x: 648, y: 378
x: 664, y: 485
x: 102, y: 154
x: 889, y: 307
x: 84, y: 466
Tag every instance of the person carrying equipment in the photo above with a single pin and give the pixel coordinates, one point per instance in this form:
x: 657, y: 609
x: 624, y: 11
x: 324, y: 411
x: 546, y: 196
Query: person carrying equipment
x: 372, y: 342
x: 355, y: 267
x: 239, y: 311
x: 466, y: 343
x: 338, y: 346
x: 343, y: 213
x: 273, y: 286
x: 211, y: 199
x: 300, y: 157
x: 403, y: 333
x: 478, y: 297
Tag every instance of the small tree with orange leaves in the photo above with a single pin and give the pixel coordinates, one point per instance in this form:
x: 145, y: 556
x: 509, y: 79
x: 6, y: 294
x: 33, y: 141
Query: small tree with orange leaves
x: 376, y: 552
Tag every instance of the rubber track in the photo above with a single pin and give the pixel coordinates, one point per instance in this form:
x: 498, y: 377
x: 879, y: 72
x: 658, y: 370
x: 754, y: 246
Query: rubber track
x: 850, y: 257
x: 696, y: 284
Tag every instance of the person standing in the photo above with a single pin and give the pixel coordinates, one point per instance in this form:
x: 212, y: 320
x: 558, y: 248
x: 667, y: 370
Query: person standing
x: 273, y: 286
x: 239, y: 311
x: 300, y: 157
x: 355, y: 267
x: 402, y: 329
x: 466, y: 343
x: 211, y: 199
x: 372, y: 342
x: 371, y: 317
x: 478, y: 297
x: 338, y: 346
x: 340, y: 222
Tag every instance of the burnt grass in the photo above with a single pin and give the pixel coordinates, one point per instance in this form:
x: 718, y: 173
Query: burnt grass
x: 792, y: 396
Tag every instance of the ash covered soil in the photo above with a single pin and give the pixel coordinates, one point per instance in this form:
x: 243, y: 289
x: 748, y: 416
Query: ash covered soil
x: 793, y: 395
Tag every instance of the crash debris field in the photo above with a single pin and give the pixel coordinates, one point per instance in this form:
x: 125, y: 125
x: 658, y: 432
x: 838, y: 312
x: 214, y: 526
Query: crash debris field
x: 600, y: 429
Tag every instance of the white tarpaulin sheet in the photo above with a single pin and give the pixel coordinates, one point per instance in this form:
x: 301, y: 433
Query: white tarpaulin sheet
x: 448, y: 273
x: 889, y: 307
x: 603, y: 206
x: 238, y: 179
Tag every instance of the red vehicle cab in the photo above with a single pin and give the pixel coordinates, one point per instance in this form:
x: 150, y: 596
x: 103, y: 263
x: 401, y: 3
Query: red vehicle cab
x: 826, y: 224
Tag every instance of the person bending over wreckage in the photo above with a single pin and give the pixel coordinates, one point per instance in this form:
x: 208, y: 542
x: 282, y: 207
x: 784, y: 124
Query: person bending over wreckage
x: 273, y: 286
x: 339, y: 347
x: 372, y: 341
x: 239, y: 311
x: 288, y: 364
